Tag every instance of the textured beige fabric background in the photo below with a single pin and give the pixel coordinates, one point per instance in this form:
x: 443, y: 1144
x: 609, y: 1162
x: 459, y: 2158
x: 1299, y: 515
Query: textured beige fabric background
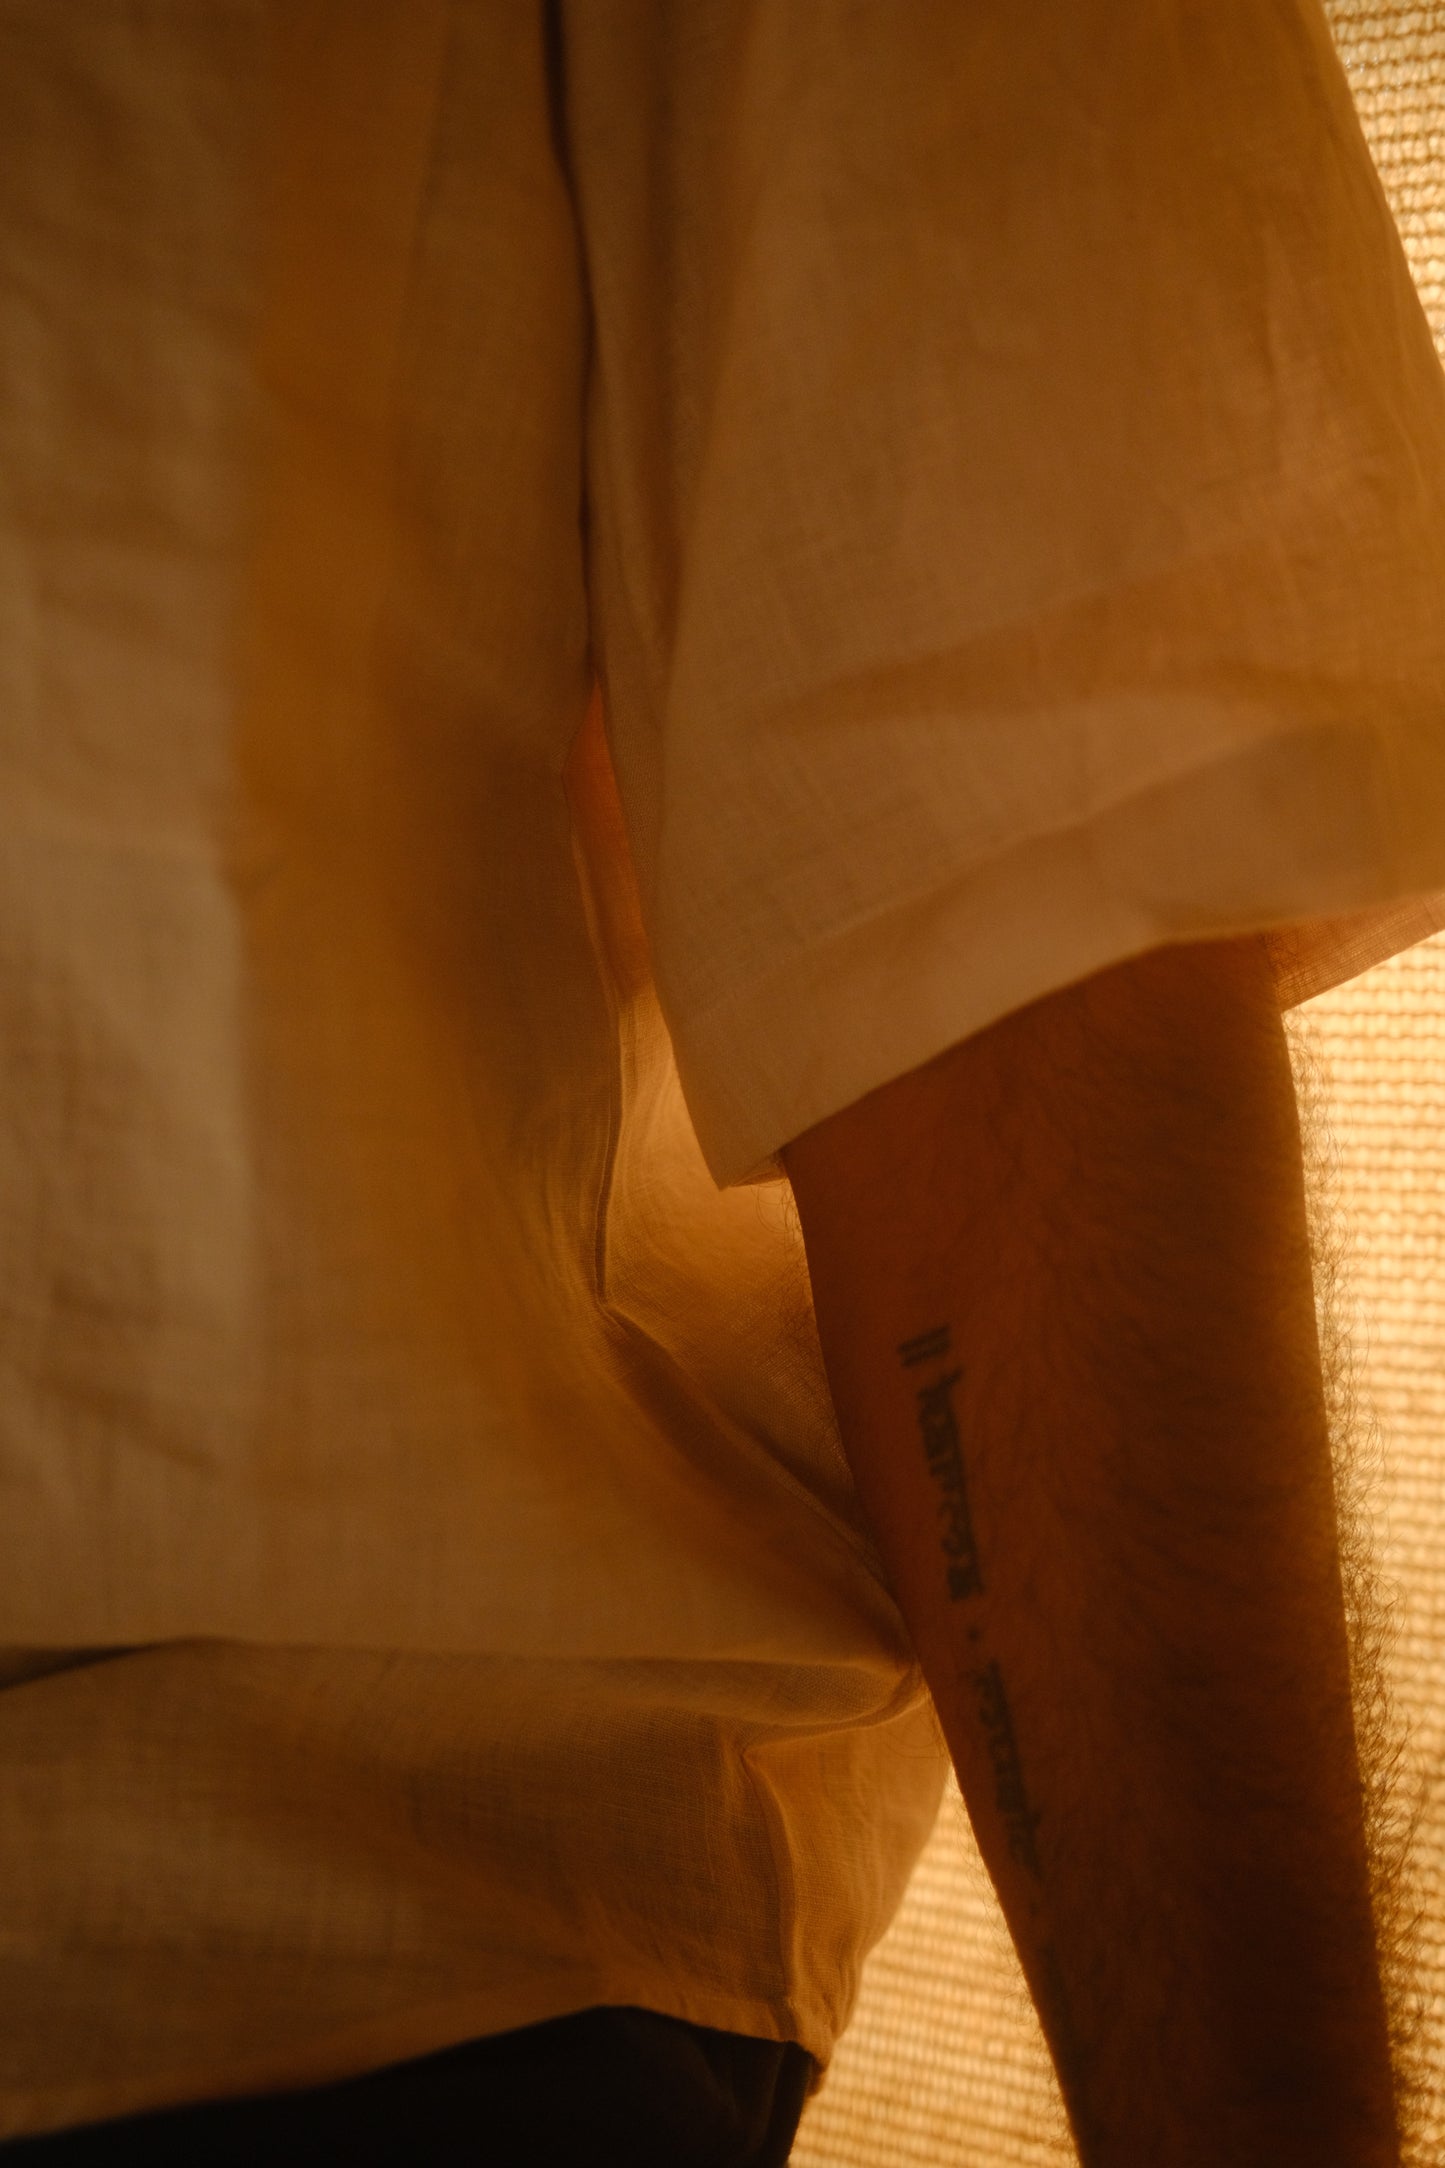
x: 944, y: 2062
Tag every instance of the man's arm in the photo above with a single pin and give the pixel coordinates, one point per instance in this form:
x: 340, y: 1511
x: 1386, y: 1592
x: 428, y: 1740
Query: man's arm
x: 1063, y: 1288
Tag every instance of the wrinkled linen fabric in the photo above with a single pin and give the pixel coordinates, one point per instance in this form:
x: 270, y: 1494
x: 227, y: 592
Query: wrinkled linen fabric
x: 583, y: 584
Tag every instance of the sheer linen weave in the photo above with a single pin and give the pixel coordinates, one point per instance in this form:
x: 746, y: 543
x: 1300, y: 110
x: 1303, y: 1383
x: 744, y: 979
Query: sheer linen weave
x: 583, y: 584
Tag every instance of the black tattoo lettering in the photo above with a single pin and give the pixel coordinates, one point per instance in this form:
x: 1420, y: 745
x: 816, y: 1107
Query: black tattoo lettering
x: 938, y: 1426
x: 1020, y: 1818
x: 941, y: 1444
x: 925, y: 1347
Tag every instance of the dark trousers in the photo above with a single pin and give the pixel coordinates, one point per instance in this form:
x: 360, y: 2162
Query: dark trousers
x: 608, y: 2085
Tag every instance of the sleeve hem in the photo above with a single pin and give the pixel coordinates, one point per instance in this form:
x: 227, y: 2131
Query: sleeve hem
x: 832, y: 1021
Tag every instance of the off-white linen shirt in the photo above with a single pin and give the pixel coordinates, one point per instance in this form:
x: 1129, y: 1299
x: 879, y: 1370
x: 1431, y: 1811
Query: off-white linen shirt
x: 989, y: 465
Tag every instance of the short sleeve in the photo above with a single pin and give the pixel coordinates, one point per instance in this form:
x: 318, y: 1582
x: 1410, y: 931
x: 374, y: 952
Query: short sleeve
x: 1016, y: 517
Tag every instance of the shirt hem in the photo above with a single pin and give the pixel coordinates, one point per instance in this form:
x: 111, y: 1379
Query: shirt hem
x: 355, y: 2050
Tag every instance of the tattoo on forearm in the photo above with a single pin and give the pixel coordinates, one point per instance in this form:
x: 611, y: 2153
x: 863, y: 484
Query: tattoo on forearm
x: 1020, y: 1817
x: 925, y: 1347
x: 939, y: 1428
x: 943, y: 1448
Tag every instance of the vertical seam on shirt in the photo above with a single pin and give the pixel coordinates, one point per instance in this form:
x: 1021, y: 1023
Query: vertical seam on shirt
x: 616, y: 1078
x: 554, y: 70
x: 554, y: 67
x: 603, y: 1208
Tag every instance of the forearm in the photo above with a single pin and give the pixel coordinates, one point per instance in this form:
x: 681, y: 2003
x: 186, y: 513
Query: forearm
x: 1064, y: 1296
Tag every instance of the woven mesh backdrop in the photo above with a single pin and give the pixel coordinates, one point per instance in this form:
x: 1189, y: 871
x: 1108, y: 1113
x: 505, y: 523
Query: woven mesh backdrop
x: 944, y: 2062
